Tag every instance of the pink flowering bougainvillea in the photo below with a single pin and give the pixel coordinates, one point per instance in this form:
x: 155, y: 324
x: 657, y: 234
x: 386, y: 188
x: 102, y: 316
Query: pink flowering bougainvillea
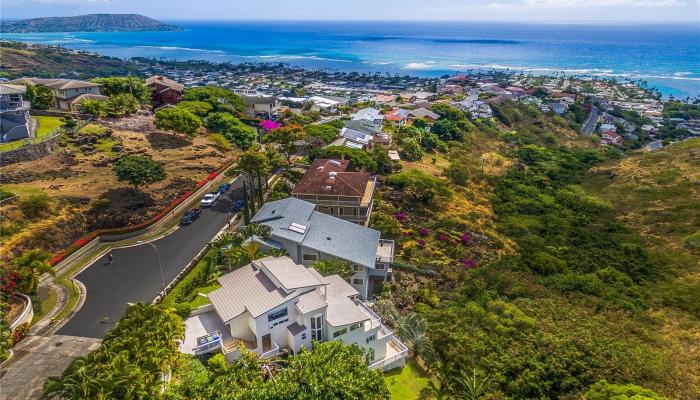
x: 421, y: 242
x: 468, y: 263
x: 466, y: 238
x: 400, y: 216
x: 443, y: 238
x: 423, y: 231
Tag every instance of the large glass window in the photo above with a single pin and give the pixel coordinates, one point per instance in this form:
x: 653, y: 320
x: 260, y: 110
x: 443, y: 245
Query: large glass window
x: 317, y: 328
x: 276, y: 315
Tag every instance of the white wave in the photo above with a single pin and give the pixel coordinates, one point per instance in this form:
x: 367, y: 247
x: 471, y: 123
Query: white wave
x: 180, y: 48
x: 420, y: 65
x: 296, y: 57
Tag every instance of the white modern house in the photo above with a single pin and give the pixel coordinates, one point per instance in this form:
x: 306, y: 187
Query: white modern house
x: 15, y: 122
x: 274, y: 305
x: 372, y: 115
x: 308, y: 236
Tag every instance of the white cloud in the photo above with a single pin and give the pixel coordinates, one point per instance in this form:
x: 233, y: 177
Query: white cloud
x: 535, y: 4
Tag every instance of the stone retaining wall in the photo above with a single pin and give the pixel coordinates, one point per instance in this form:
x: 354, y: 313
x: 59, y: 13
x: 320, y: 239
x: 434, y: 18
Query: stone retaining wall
x: 29, y: 152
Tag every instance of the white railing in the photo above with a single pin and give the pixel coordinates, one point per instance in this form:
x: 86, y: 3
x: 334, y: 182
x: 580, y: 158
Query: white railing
x: 369, y: 311
x: 388, y: 363
x: 273, y: 352
x: 207, y: 347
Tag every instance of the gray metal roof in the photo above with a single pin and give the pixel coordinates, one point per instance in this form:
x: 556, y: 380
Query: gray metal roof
x: 324, y: 233
x: 12, y: 89
x: 246, y: 289
x: 342, y: 310
x: 355, y: 136
x: 296, y: 329
x: 289, y: 274
x: 310, y: 302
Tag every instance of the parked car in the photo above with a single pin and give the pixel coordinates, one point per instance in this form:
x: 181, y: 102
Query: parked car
x: 237, y: 205
x: 209, y: 199
x: 223, y: 188
x: 190, y: 216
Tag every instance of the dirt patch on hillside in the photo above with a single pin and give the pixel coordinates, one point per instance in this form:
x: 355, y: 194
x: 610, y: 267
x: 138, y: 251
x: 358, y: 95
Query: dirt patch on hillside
x: 84, y: 193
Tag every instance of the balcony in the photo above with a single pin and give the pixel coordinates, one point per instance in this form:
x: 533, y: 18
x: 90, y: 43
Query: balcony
x: 385, y: 251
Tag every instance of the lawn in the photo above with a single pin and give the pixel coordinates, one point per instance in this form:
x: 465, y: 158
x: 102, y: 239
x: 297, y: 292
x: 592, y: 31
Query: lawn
x: 47, y: 125
x: 202, y: 300
x: 406, y: 383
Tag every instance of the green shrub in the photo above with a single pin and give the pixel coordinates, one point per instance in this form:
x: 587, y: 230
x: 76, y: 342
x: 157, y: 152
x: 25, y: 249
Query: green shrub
x: 35, y: 205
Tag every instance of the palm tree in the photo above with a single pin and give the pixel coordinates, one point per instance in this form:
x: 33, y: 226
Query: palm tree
x: 471, y: 387
x: 31, y: 265
x: 413, y: 329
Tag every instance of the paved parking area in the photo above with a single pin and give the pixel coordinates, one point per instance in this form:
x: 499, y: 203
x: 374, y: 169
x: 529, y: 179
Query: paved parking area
x: 37, y: 358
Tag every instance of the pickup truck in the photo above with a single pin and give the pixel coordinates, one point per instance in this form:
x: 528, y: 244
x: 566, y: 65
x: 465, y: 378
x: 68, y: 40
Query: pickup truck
x: 237, y: 205
x: 209, y: 199
x: 190, y: 216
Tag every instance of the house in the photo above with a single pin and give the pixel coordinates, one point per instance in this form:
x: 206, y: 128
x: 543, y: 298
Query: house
x: 370, y: 114
x: 451, y: 89
x: 384, y: 99
x: 422, y: 113
x: 69, y: 93
x: 610, y: 137
x: 308, y: 236
x: 165, y: 91
x: 368, y: 127
x: 398, y: 115
x: 273, y: 305
x: 260, y: 104
x: 356, y: 139
x: 15, y: 122
x: 424, y: 96
x: 394, y: 155
x: 558, y: 108
x: 324, y: 103
x: 336, y: 191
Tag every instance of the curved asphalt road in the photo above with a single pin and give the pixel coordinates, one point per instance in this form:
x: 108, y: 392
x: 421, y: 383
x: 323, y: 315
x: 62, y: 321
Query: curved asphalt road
x: 134, y: 275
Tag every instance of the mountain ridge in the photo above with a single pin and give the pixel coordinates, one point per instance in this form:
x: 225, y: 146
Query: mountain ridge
x: 87, y: 23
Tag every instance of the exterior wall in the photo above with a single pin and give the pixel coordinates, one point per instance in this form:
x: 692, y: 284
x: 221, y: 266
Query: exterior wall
x: 349, y: 208
x: 240, y: 327
x: 279, y: 333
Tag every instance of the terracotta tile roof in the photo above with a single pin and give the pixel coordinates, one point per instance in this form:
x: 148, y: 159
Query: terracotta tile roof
x: 329, y: 177
x: 161, y: 80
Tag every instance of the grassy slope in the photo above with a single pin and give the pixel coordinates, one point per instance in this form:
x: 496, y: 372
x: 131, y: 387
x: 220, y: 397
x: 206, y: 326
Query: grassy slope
x: 658, y: 195
x: 406, y: 383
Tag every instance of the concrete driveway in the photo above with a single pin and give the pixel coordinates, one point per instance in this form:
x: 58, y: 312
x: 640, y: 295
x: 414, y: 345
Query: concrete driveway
x: 134, y: 275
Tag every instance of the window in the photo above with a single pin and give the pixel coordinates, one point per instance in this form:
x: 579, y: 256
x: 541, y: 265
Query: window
x: 379, y: 266
x: 370, y: 339
x: 276, y: 315
x: 317, y: 328
x: 358, y: 268
x: 279, y: 322
x: 340, y: 333
x: 358, y: 281
x: 310, y: 257
x: 303, y: 336
x: 356, y: 326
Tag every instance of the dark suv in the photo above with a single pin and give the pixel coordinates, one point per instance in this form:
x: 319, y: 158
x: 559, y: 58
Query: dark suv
x: 190, y: 216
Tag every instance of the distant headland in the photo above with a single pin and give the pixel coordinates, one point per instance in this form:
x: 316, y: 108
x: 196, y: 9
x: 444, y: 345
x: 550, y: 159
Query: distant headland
x: 88, y: 23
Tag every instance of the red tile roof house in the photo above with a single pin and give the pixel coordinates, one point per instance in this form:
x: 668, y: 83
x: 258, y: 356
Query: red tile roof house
x: 336, y: 191
x: 165, y: 91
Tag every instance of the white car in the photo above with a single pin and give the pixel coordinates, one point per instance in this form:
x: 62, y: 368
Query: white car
x: 209, y: 199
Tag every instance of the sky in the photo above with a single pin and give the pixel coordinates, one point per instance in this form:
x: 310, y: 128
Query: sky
x: 463, y: 10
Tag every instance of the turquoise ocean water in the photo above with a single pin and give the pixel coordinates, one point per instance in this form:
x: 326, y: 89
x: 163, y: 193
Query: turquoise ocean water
x: 667, y: 56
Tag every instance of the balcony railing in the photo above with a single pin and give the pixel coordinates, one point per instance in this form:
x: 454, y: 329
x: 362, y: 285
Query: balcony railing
x: 272, y: 352
x: 385, y: 251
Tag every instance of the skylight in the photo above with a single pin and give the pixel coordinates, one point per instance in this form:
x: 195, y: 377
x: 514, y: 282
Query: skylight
x: 298, y: 228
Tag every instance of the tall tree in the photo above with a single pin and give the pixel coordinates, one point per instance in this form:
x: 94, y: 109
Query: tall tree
x: 286, y: 138
x: 178, y: 120
x: 30, y: 266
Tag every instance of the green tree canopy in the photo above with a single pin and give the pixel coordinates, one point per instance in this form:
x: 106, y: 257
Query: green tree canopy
x: 412, y: 149
x: 359, y: 159
x: 139, y: 170
x: 219, y: 98
x: 608, y: 391
x: 178, y: 120
x: 198, y: 108
x: 448, y: 112
x: 133, y: 85
x: 42, y: 97
x: 122, y: 104
x: 232, y: 128
x: 326, y: 133
x: 286, y: 138
x: 30, y: 266
x: 95, y: 107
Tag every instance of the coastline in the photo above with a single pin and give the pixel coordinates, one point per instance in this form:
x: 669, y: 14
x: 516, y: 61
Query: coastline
x: 426, y: 50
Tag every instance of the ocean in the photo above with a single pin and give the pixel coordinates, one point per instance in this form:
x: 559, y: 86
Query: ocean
x: 664, y: 55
